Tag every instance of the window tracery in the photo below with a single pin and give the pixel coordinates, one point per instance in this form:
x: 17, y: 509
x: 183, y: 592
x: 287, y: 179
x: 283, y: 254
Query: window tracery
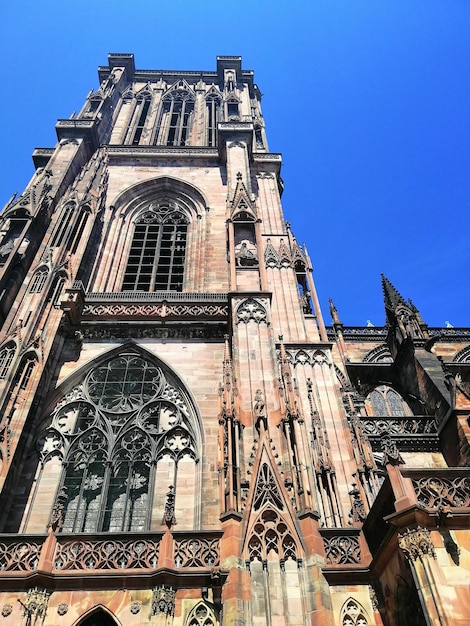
x: 158, y: 249
x: 111, y: 433
x: 213, y: 102
x: 353, y: 614
x: 201, y: 615
x: 271, y: 534
x: 384, y: 401
x: 6, y: 357
x: 39, y: 280
x: 176, y: 117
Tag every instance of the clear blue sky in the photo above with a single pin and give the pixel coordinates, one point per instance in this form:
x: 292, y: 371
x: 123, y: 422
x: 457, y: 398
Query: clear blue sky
x: 368, y: 100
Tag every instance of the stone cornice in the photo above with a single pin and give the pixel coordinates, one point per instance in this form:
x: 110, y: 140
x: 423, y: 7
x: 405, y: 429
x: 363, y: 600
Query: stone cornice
x: 379, y: 333
x: 183, y: 152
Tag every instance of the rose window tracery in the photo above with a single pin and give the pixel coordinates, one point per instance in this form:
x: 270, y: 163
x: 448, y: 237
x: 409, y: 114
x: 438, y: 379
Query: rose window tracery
x: 112, y: 432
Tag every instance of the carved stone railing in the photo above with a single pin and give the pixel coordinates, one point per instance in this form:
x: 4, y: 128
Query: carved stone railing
x: 408, y: 432
x: 379, y: 333
x: 191, y: 551
x: 108, y: 553
x: 163, y: 305
x: 436, y: 488
x: 342, y: 546
x: 359, y: 333
x: 418, y: 496
x: 20, y: 554
x: 154, y: 296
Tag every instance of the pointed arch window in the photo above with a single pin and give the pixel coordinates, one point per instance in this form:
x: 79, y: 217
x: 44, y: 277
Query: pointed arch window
x: 6, y: 357
x: 176, y: 118
x: 39, y: 280
x: 158, y: 249
x: 63, y: 224
x: 26, y: 371
x: 386, y: 402
x: 126, y: 416
x: 213, y: 102
x: 143, y: 107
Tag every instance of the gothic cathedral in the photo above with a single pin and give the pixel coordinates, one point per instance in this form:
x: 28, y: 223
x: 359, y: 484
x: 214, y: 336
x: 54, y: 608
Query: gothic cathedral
x: 183, y: 441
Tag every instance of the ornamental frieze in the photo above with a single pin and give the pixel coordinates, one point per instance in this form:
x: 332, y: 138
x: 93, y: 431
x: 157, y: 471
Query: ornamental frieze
x: 158, y: 332
x: 162, y: 310
x: 416, y: 543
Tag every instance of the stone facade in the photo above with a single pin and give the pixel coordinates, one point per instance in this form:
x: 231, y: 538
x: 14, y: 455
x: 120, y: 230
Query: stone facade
x: 183, y: 441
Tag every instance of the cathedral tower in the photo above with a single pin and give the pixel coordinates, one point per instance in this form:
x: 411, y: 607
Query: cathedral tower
x: 183, y: 442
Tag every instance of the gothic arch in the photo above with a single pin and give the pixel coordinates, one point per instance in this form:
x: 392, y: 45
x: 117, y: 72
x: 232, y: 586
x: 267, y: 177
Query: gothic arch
x: 163, y: 185
x: 114, y: 432
x: 380, y: 354
x: 462, y: 356
x: 7, y: 354
x: 69, y: 383
x: 98, y: 616
x: 201, y: 615
x: 128, y: 245
x: 39, y: 279
x: 384, y: 401
x: 251, y: 310
x: 353, y: 614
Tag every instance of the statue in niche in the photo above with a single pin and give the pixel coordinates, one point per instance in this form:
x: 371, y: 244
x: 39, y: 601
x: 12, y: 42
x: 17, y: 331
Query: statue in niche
x: 6, y: 248
x: 246, y: 254
x: 306, y: 303
x: 259, y: 410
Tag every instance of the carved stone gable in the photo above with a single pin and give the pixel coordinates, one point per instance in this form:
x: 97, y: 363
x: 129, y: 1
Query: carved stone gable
x: 267, y: 490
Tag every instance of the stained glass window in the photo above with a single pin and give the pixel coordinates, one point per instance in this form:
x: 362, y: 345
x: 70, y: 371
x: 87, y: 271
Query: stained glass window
x: 126, y: 416
x: 386, y: 402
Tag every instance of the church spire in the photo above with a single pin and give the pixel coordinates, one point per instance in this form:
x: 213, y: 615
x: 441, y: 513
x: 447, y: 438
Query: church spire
x: 391, y: 295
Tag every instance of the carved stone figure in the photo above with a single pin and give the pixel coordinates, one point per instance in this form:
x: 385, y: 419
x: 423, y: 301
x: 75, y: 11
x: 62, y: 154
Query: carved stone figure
x: 246, y: 254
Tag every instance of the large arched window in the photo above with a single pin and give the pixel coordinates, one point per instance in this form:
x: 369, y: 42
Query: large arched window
x: 112, y: 431
x: 176, y: 117
x: 213, y: 102
x: 158, y: 249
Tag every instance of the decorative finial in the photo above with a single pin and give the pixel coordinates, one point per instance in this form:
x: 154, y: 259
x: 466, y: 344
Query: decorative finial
x: 169, y: 513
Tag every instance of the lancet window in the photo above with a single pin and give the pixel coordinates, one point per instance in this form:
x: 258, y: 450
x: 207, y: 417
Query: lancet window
x: 25, y: 372
x: 39, y: 280
x: 112, y: 431
x: 6, y: 357
x: 63, y: 225
x: 158, y: 249
x: 213, y: 113
x: 386, y: 402
x: 271, y: 534
x: 142, y: 111
x: 176, y: 118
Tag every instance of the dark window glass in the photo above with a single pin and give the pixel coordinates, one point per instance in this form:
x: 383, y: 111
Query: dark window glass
x: 158, y: 249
